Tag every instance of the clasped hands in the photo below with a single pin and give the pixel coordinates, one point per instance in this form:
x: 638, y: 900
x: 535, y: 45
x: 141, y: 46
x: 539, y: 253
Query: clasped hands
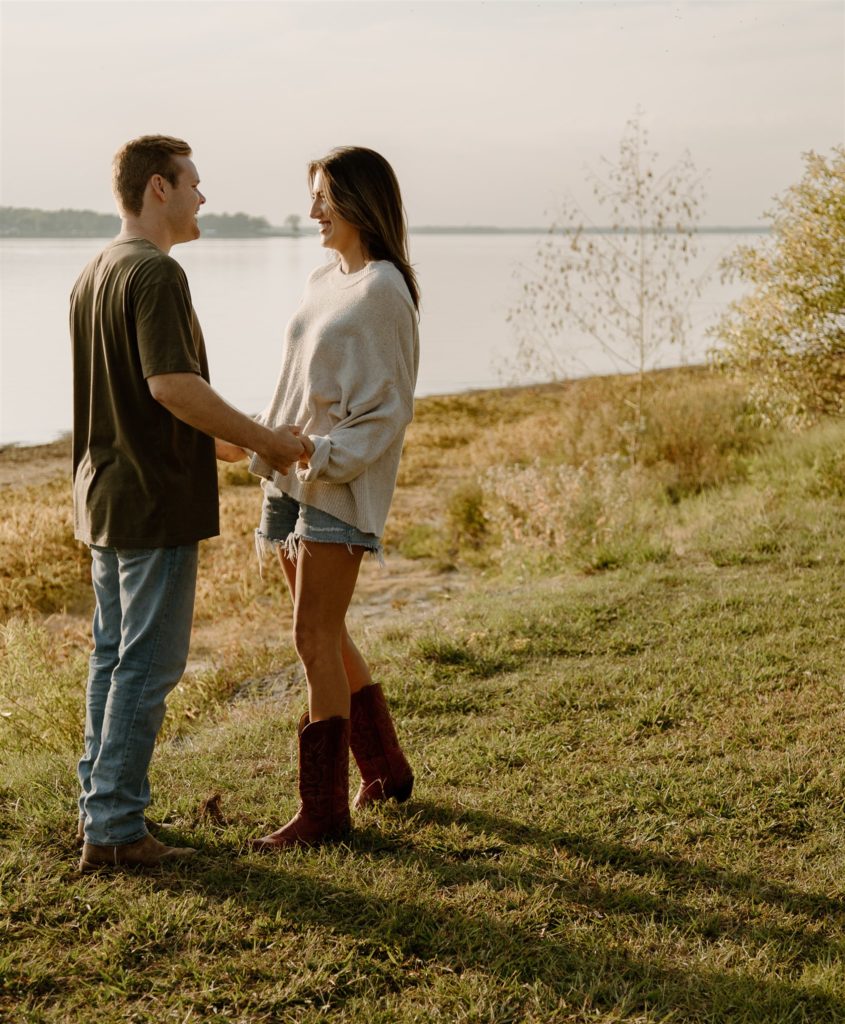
x: 286, y: 444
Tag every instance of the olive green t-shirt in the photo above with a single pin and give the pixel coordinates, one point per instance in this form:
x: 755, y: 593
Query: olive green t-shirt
x: 141, y: 477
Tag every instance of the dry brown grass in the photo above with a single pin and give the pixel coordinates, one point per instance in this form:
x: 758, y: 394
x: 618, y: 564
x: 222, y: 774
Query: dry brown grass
x: 697, y: 434
x: 44, y: 568
x: 463, y: 451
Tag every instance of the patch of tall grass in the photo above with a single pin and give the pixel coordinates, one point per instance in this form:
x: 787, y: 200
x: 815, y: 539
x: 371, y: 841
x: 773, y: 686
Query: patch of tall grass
x: 44, y: 568
x: 598, y: 514
x: 41, y: 692
x: 556, y: 477
x: 566, y: 437
x: 696, y: 422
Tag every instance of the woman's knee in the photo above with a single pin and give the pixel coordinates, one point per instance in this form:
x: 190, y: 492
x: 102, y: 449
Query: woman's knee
x: 312, y: 640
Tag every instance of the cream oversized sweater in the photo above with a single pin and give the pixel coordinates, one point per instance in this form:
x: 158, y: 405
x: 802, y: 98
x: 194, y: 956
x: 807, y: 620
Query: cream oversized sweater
x: 349, y: 368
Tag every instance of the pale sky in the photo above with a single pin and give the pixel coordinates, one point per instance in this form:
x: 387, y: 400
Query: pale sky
x: 489, y: 112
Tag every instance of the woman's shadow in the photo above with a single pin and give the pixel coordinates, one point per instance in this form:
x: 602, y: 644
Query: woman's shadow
x: 578, y: 950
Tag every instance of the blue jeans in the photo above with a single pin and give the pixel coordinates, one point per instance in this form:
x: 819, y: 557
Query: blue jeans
x: 142, y: 629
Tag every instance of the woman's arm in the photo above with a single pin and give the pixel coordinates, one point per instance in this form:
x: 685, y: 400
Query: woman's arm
x: 226, y: 452
x: 359, y: 440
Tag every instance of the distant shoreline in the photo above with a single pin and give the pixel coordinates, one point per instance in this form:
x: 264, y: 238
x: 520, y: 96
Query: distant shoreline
x: 27, y: 222
x: 212, y: 236
x: 709, y: 230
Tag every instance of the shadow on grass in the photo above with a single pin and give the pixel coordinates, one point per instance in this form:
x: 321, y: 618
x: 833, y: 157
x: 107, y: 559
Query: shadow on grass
x: 579, y: 950
x: 679, y: 870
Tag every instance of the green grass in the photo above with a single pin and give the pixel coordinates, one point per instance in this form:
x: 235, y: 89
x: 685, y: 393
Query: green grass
x: 629, y: 807
x: 630, y: 804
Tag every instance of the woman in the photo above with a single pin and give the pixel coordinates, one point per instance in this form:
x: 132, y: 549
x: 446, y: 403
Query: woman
x: 349, y: 368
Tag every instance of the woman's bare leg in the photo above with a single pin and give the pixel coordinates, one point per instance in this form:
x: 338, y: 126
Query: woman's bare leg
x: 358, y: 673
x: 385, y: 771
x: 326, y: 575
x: 357, y: 670
x: 322, y: 584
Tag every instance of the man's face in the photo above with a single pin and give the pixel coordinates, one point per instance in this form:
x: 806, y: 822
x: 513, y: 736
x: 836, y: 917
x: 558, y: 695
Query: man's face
x: 184, y: 201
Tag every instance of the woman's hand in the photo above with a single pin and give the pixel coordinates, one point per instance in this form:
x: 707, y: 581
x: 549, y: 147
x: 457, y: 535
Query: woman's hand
x: 308, y: 445
x: 227, y: 452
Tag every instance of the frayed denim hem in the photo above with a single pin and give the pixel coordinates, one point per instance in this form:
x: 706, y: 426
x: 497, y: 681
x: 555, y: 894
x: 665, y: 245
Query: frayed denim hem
x: 266, y: 547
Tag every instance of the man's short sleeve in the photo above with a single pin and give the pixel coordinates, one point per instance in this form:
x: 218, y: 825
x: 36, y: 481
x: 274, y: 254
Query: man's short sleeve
x: 164, y: 319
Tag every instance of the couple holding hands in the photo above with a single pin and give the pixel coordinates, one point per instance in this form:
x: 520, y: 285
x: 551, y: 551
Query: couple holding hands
x: 147, y: 430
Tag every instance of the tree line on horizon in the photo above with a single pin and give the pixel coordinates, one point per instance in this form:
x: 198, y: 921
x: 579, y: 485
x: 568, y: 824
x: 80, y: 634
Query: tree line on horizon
x: 28, y: 222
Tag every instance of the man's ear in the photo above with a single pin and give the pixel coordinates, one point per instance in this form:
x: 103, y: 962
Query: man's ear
x: 157, y: 184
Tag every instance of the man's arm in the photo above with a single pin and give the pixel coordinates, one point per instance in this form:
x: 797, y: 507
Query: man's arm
x: 191, y: 399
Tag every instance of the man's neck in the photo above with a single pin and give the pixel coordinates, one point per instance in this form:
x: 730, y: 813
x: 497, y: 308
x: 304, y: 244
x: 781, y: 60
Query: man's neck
x: 140, y: 227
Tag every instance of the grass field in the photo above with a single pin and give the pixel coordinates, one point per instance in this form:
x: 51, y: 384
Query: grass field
x: 626, y: 723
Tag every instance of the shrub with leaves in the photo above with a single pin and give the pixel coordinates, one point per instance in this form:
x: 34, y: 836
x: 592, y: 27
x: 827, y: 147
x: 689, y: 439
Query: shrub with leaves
x: 787, y: 335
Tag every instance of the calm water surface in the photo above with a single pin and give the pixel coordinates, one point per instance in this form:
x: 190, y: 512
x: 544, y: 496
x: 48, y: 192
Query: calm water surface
x: 245, y: 291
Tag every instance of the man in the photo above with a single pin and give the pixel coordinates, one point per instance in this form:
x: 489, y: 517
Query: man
x: 144, y: 484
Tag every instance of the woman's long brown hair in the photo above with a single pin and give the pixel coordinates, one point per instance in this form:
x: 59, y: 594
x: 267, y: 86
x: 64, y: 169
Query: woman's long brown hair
x: 361, y: 187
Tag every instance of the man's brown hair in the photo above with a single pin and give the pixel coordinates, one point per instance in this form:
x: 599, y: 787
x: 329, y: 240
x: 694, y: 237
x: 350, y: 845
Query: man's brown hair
x: 136, y: 162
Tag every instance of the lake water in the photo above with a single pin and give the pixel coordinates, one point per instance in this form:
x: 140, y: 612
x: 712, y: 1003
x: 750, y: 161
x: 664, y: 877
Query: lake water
x: 244, y: 292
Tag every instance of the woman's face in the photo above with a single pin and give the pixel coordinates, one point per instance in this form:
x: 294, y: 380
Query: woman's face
x: 335, y: 232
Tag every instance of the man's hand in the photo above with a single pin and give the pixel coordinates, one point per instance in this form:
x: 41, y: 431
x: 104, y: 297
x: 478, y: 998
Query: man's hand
x: 227, y: 452
x: 191, y: 399
x: 282, y: 448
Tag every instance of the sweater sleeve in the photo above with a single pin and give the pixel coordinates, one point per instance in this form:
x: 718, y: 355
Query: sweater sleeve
x: 360, y: 439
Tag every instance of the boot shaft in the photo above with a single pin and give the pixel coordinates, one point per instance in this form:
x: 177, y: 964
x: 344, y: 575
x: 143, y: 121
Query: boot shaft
x: 324, y: 770
x: 385, y: 771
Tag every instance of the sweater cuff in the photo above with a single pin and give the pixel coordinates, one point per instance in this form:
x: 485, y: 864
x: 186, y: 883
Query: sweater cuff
x: 318, y: 461
x: 258, y: 467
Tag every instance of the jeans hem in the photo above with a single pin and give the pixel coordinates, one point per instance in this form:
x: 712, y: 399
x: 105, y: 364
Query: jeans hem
x: 120, y: 842
x: 289, y: 546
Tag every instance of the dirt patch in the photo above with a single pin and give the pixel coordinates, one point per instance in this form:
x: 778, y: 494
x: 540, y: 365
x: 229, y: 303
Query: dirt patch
x: 405, y: 592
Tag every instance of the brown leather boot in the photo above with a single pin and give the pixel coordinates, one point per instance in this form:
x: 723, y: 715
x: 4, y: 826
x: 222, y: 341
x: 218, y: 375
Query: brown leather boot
x: 385, y: 772
x: 323, y: 787
x: 146, y: 853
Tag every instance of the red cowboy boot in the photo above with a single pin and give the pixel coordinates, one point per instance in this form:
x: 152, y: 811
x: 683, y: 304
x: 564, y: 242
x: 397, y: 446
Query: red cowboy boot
x: 385, y: 772
x: 323, y: 787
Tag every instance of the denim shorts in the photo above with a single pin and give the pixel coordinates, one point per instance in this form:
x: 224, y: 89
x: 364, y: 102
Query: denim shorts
x: 285, y: 521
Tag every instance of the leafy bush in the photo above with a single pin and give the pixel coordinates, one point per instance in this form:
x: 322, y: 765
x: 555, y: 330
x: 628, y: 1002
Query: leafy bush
x: 787, y: 336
